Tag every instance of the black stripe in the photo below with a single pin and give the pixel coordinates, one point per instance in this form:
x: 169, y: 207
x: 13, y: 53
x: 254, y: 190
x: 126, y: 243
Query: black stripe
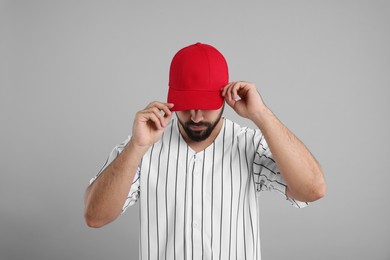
x: 254, y: 145
x: 157, y: 181
x: 204, y: 158
x: 166, y: 194
x: 296, y: 203
x: 262, y: 165
x: 185, y: 210
x: 139, y: 214
x: 263, y: 155
x: 212, y: 198
x: 250, y: 176
x: 192, y: 208
x: 243, y: 204
x: 256, y: 150
x: 220, y: 223
x: 176, y: 176
x: 254, y: 187
x: 268, y: 179
x: 238, y: 207
x: 260, y: 143
x: 231, y: 192
x: 148, y: 199
x: 137, y: 178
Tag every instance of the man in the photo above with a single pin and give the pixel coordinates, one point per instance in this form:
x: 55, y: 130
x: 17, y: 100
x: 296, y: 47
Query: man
x: 198, y: 175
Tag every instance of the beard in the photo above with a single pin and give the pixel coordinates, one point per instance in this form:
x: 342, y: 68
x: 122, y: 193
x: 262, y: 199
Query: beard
x: 200, y: 135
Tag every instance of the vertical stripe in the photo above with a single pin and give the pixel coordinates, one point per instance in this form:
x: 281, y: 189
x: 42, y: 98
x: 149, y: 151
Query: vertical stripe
x: 243, y: 204
x: 185, y: 209
x: 231, y: 193
x: 204, y: 158
x: 148, y: 201
x: 257, y: 148
x: 157, y: 202
x: 166, y: 194
x: 192, y: 208
x: 139, y: 215
x: 239, y: 197
x: 248, y: 185
x: 222, y: 164
x: 254, y: 188
x: 212, y: 199
x: 174, y: 222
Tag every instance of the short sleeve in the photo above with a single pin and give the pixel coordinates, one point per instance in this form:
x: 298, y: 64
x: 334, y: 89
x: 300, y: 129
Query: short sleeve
x: 266, y: 172
x: 134, y: 192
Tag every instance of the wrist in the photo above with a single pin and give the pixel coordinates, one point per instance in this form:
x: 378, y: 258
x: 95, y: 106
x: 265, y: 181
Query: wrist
x: 135, y: 148
x: 261, y: 114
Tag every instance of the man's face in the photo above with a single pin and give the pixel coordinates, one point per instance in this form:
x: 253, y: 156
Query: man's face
x: 199, y: 124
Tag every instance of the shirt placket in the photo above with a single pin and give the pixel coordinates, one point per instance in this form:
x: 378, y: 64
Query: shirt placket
x: 194, y: 208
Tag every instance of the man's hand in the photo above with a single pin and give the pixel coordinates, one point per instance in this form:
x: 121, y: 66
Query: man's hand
x: 105, y: 197
x: 149, y: 124
x: 299, y: 168
x: 244, y: 98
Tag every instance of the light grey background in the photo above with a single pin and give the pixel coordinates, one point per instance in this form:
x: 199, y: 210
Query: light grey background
x: 73, y: 73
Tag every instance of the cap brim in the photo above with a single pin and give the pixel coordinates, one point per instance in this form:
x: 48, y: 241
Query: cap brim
x: 195, y: 99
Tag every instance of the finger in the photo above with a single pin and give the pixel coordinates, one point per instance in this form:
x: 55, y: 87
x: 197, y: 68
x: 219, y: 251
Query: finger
x: 167, y: 118
x: 152, y: 117
x: 159, y: 114
x: 232, y: 91
x: 152, y: 114
x: 165, y: 107
x: 228, y: 93
x: 225, y: 89
x: 230, y: 102
x: 236, y: 87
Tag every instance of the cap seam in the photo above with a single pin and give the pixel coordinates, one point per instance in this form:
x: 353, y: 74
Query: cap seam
x: 208, y: 62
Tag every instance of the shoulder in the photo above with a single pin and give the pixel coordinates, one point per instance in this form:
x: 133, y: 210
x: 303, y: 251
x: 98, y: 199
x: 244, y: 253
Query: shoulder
x: 237, y: 130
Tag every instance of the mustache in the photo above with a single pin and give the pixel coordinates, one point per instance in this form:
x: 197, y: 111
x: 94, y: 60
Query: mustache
x: 197, y: 124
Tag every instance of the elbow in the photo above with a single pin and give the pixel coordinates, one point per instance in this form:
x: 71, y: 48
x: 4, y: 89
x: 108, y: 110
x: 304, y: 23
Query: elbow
x: 318, y: 192
x: 95, y: 220
x: 92, y: 221
x: 317, y: 188
x: 322, y: 190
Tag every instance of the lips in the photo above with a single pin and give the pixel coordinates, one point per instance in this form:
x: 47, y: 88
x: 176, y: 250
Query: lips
x: 197, y: 128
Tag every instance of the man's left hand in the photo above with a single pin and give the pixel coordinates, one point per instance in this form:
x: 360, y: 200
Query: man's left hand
x: 244, y: 98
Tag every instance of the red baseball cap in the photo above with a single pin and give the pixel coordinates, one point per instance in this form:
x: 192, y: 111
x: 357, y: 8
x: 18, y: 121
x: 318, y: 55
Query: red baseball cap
x: 197, y: 74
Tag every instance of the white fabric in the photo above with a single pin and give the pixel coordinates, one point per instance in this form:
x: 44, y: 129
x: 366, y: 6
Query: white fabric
x: 203, y: 205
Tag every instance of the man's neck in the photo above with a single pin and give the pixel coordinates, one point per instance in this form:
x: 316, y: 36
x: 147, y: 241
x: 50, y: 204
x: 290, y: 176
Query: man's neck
x: 200, y: 146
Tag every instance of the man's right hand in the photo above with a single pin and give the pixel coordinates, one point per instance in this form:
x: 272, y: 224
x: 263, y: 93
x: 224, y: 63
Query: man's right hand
x: 149, y: 124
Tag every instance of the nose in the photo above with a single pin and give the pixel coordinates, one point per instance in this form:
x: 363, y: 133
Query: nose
x: 196, y: 116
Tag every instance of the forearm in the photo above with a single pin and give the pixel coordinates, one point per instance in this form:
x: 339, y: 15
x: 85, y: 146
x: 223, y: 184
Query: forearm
x: 105, y: 197
x: 300, y: 170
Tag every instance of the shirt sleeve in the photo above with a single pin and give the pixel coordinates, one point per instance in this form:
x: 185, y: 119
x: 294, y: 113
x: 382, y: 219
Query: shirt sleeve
x: 134, y: 192
x: 267, y: 175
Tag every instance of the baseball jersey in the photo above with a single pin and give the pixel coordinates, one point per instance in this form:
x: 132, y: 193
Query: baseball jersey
x: 203, y: 205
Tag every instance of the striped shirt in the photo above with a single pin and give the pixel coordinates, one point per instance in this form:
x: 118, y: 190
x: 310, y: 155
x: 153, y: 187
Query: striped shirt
x: 203, y: 205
